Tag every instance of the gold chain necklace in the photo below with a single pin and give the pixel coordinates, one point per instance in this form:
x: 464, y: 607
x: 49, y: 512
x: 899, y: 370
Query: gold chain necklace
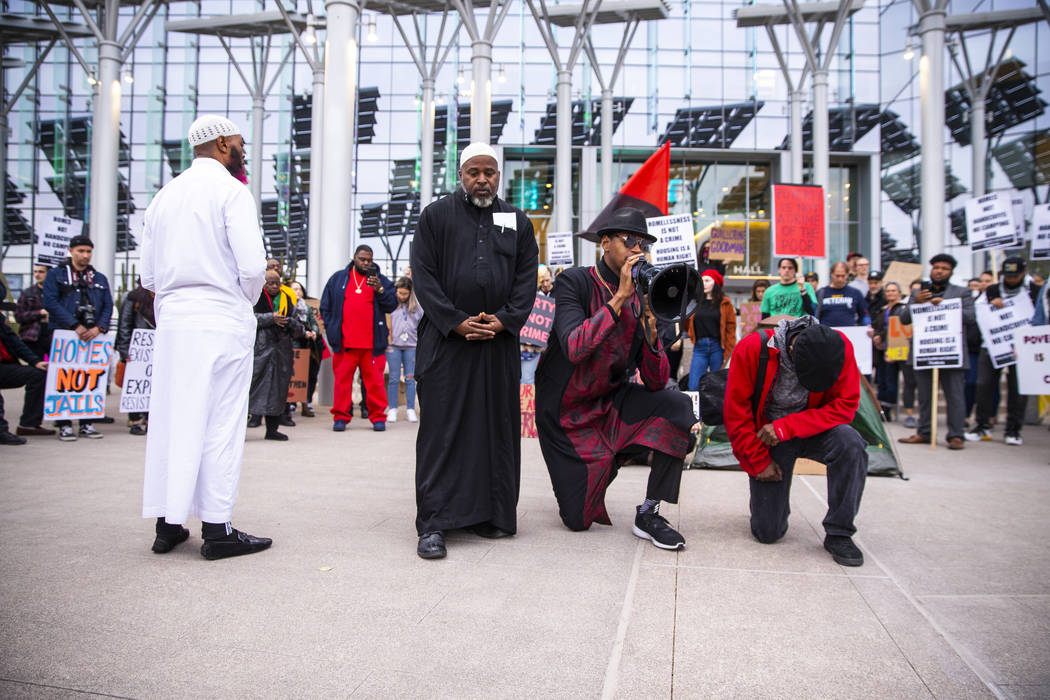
x: 353, y: 272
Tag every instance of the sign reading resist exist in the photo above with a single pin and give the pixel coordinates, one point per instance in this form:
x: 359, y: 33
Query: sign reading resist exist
x: 559, y: 249
x: 937, y: 334
x: 138, y: 373
x: 76, y: 377
x: 1033, y: 360
x: 674, y: 240
x: 990, y: 221
x: 999, y: 327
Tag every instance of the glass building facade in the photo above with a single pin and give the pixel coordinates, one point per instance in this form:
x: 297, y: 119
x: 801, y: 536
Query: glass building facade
x: 713, y: 89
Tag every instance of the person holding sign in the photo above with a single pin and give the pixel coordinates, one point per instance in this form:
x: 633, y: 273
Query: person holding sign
x: 1014, y: 282
x: 589, y: 416
x: 202, y: 255
x: 793, y: 394
x: 136, y: 311
x: 952, y: 379
x: 530, y: 354
x: 792, y: 296
x: 887, y: 364
x: 77, y: 298
x: 474, y: 260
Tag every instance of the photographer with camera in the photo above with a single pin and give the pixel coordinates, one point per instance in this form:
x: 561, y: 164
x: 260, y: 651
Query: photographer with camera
x: 77, y: 298
x: 354, y: 306
x: 589, y: 415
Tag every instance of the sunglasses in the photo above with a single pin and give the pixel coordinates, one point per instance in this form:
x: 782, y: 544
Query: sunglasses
x: 632, y: 241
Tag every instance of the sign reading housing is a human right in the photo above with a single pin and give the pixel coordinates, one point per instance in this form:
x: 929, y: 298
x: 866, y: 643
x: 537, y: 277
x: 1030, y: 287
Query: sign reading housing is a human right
x: 937, y: 334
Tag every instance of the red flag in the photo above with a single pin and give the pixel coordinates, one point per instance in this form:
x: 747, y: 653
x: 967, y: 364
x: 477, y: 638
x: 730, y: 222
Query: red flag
x: 645, y: 190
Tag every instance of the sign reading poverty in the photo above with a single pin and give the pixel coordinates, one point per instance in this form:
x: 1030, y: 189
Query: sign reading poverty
x: 1033, y: 360
x: 674, y: 240
x: 77, y: 377
x: 990, y: 221
x: 559, y: 249
x: 1000, y: 326
x: 937, y: 334
x: 728, y: 243
x: 798, y: 221
x: 138, y: 373
x: 52, y: 246
x: 538, y: 328
x: 1041, y: 232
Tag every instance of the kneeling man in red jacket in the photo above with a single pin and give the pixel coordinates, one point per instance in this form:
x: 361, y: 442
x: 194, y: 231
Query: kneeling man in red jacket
x: 807, y: 400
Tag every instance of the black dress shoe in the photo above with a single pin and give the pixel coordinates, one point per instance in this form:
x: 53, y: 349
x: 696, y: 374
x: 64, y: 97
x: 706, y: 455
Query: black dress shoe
x: 33, y: 430
x: 843, y: 551
x: 7, y: 438
x: 431, y: 545
x: 489, y: 531
x: 286, y: 420
x: 167, y: 539
x: 275, y: 435
x: 234, y: 545
x: 254, y: 421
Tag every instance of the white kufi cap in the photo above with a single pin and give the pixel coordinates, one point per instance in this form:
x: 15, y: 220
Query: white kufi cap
x: 477, y: 149
x: 210, y: 127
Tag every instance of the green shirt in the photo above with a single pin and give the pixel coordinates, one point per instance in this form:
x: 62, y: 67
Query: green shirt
x: 786, y: 299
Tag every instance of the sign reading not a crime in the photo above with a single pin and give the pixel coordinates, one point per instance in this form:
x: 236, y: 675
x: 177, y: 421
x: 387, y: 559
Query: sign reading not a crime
x: 674, y: 240
x: 138, y: 373
x: 77, y: 377
x: 798, y: 221
x: 1033, y: 360
x: 541, y: 321
x: 559, y: 249
x: 999, y: 327
x: 990, y: 221
x: 937, y: 335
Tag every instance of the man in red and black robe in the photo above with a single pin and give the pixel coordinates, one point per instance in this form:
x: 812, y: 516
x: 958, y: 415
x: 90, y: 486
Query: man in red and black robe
x: 589, y: 416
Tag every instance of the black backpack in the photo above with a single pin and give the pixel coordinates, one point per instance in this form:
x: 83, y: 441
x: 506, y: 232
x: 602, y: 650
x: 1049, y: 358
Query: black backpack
x: 712, y: 387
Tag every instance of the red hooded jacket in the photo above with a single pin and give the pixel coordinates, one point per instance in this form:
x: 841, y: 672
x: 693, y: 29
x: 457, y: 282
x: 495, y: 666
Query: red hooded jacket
x: 836, y: 406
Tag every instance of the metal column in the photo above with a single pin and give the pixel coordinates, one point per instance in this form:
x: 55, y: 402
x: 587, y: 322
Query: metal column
x: 481, y: 91
x: 105, y: 157
x: 426, y: 160
x: 314, y: 277
x: 796, y: 137
x: 563, y: 154
x: 931, y: 86
x: 820, y: 159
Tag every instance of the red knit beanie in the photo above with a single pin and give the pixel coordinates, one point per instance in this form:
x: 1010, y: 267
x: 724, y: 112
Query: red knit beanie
x: 714, y: 274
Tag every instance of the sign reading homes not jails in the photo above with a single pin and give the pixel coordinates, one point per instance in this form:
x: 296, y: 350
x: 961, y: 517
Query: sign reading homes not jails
x: 674, y: 240
x: 990, y: 221
x: 55, y: 233
x: 999, y: 327
x: 559, y: 249
x: 1041, y: 232
x: 937, y: 334
x: 138, y: 373
x: 1033, y: 360
x: 77, y: 377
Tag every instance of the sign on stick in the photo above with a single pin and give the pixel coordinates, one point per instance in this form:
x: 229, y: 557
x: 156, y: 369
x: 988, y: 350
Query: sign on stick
x: 937, y: 334
x: 798, y: 221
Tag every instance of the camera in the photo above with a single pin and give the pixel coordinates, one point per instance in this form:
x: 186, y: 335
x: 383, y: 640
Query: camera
x: 672, y: 291
x: 85, y: 311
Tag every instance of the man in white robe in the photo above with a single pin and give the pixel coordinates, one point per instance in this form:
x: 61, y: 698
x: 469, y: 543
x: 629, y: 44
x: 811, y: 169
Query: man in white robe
x: 202, y: 254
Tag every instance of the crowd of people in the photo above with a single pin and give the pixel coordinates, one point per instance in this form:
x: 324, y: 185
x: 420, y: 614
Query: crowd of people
x: 228, y: 326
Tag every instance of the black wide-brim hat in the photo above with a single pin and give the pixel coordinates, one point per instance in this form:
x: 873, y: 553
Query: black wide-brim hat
x: 623, y: 220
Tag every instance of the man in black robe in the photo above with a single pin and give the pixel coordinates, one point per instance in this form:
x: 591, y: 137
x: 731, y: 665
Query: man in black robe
x: 589, y: 416
x: 474, y: 260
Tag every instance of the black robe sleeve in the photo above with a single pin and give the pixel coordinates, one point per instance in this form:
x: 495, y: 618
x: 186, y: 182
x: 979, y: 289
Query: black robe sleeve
x: 439, y: 309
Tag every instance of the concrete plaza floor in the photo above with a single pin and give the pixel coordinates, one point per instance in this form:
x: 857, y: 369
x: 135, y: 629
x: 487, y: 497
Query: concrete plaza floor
x: 953, y: 600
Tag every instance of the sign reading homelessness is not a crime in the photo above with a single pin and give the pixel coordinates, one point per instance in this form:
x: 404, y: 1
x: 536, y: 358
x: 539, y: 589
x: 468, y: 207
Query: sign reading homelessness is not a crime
x: 999, y: 327
x: 77, y: 377
x: 138, y: 373
x: 538, y: 328
x: 674, y: 240
x: 937, y: 334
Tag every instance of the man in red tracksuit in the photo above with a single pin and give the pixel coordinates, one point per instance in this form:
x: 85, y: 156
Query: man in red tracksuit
x: 809, y: 395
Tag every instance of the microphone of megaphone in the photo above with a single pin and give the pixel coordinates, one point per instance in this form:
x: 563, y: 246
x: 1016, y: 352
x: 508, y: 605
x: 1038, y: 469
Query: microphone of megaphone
x: 672, y: 291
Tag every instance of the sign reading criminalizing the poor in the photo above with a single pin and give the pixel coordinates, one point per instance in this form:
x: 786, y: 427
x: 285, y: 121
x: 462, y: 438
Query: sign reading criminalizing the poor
x: 76, y: 377
x: 138, y: 373
x: 674, y: 240
x: 999, y: 327
x: 937, y: 334
x: 1033, y: 360
x: 990, y: 221
x: 559, y: 248
x: 798, y: 221
x: 538, y: 328
x: 55, y: 232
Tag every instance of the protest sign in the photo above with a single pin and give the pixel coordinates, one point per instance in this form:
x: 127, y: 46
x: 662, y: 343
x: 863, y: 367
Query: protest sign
x: 55, y: 232
x: 527, y: 395
x: 559, y: 249
x: 750, y: 315
x: 674, y: 240
x: 990, y: 221
x: 694, y: 396
x: 1033, y: 360
x: 1000, y: 326
x: 315, y: 307
x: 897, y: 340
x: 937, y: 334
x: 727, y: 243
x: 541, y: 321
x: 858, y: 338
x: 138, y: 373
x: 798, y: 221
x: 300, y: 374
x: 1017, y: 207
x: 77, y: 377
x: 903, y: 273
x: 1041, y: 232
